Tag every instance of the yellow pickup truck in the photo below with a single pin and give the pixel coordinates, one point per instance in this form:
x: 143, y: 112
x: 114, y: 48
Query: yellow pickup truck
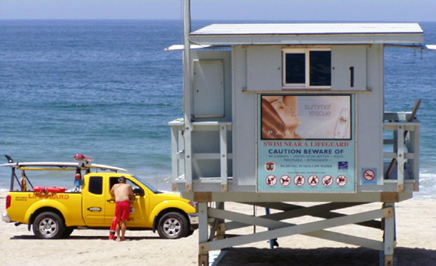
x: 55, y: 212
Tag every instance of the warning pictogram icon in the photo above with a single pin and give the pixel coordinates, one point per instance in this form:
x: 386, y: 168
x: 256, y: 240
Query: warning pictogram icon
x: 270, y: 166
x: 299, y: 180
x: 327, y: 180
x: 341, y: 180
x: 369, y: 174
x: 285, y: 180
x: 271, y: 180
x: 313, y: 180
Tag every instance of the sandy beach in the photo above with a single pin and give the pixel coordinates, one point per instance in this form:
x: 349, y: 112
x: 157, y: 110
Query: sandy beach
x: 416, y: 245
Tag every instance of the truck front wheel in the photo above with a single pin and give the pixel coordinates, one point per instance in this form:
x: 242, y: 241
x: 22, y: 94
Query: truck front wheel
x: 173, y: 225
x: 48, y: 225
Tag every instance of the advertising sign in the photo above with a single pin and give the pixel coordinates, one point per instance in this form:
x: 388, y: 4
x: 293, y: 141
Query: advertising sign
x: 306, y: 143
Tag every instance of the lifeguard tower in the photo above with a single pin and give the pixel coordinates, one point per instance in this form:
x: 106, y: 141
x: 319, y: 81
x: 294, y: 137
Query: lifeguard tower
x: 281, y: 113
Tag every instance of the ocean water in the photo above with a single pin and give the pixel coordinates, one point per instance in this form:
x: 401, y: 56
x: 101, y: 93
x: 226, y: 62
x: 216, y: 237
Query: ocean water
x: 108, y: 89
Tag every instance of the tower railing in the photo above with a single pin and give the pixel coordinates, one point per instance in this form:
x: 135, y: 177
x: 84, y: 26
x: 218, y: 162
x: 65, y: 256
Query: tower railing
x: 183, y: 163
x: 401, y: 149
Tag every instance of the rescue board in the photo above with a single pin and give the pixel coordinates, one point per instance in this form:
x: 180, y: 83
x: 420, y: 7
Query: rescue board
x: 103, y: 167
x: 42, y: 164
x: 45, y: 166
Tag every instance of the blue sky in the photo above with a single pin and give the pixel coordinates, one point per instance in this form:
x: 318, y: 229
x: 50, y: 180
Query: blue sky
x: 303, y: 10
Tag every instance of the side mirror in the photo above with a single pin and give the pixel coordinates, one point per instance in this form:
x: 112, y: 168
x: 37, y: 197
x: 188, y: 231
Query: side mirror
x: 138, y: 191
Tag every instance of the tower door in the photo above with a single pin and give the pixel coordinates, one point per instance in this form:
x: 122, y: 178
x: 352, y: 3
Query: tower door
x: 208, y: 88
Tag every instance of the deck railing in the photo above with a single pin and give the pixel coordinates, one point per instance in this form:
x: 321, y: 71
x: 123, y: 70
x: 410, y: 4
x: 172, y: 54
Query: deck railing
x: 401, y: 142
x: 183, y: 157
x: 401, y: 153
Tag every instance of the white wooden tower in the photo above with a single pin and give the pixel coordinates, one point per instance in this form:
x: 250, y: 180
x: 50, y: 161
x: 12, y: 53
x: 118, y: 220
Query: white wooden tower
x: 281, y: 113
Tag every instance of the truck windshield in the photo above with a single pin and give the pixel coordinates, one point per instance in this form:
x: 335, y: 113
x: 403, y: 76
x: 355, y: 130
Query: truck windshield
x: 153, y: 189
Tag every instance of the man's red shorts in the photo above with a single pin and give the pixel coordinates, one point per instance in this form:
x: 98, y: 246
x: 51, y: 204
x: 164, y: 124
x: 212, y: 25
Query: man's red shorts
x: 122, y: 211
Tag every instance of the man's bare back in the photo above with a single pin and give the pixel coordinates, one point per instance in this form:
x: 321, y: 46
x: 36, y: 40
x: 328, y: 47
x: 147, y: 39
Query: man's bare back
x: 122, y: 192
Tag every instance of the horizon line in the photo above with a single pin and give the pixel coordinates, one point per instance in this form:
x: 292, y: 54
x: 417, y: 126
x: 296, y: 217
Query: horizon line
x: 236, y: 20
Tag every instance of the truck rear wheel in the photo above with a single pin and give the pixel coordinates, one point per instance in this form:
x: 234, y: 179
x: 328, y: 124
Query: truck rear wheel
x: 173, y: 225
x: 48, y: 225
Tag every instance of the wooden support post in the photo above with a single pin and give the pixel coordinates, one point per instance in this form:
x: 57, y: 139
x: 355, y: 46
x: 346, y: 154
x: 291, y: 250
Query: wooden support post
x: 400, y: 158
x: 389, y: 235
x: 203, y: 260
x: 223, y: 157
x: 221, y: 230
x: 414, y: 139
x: 218, y: 227
x: 187, y: 92
x: 188, y: 157
x: 203, y: 252
x: 174, y: 159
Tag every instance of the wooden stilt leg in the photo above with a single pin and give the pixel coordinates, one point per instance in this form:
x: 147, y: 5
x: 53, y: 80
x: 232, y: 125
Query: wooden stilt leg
x: 221, y: 230
x: 203, y: 253
x: 203, y: 259
x: 389, y: 260
x: 389, y: 237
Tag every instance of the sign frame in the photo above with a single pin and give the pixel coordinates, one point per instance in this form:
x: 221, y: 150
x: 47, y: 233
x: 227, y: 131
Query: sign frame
x: 301, y: 154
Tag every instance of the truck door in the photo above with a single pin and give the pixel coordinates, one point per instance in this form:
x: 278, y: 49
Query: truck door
x: 93, y: 201
x: 137, y: 207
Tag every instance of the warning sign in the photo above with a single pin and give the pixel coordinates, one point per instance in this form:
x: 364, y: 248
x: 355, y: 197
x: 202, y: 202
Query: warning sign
x: 327, y: 180
x: 299, y: 180
x: 369, y: 176
x: 315, y: 140
x: 285, y: 180
x: 271, y: 180
x: 341, y: 180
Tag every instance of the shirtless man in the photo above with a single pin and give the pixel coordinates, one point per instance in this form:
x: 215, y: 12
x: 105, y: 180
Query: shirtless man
x: 123, y: 193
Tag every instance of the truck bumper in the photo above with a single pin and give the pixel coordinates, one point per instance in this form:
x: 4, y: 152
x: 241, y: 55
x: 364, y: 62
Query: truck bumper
x: 6, y: 218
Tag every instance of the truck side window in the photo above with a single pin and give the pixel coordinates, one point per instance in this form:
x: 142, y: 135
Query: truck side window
x: 136, y: 188
x: 112, y: 182
x: 96, y: 185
